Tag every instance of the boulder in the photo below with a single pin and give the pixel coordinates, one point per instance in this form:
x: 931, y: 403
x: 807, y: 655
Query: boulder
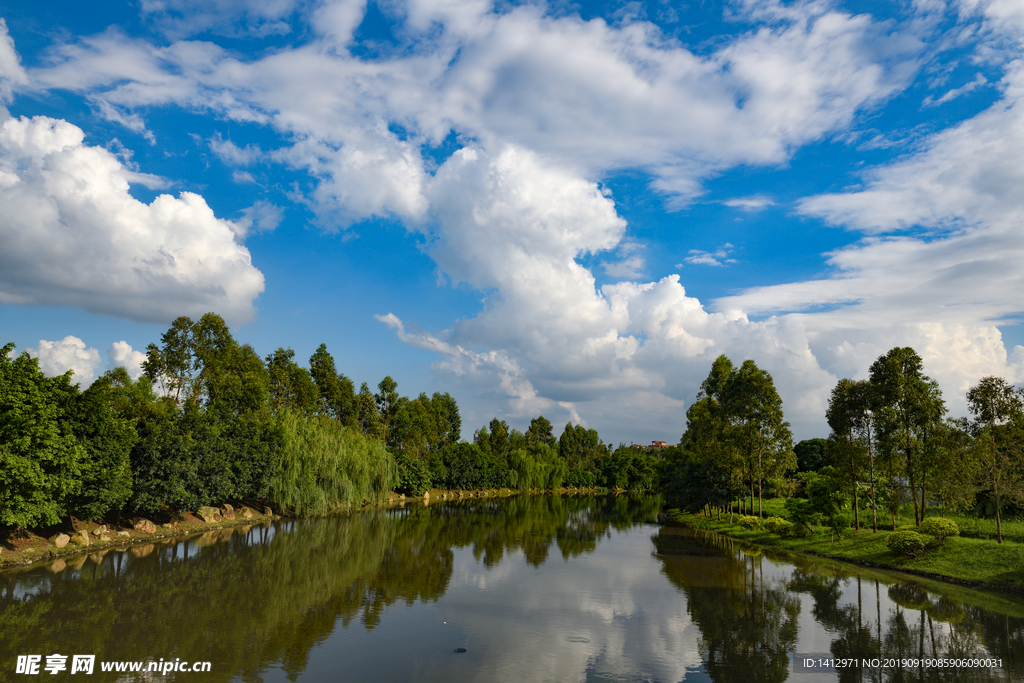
x: 145, y: 526
x: 124, y: 533
x: 141, y: 550
x: 99, y: 531
x: 168, y: 526
x: 60, y: 540
x: 209, y: 515
x: 426, y: 494
x: 247, y: 513
x: 228, y: 512
x: 81, y: 537
x: 267, y: 511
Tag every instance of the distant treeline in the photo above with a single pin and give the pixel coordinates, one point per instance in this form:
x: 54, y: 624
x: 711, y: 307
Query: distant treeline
x: 210, y: 421
x: 891, y: 445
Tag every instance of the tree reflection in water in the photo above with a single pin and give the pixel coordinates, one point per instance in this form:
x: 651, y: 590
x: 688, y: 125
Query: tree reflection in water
x: 749, y: 626
x: 250, y: 598
x: 253, y: 599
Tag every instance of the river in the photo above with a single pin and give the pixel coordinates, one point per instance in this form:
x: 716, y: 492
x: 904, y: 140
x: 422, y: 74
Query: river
x: 526, y: 588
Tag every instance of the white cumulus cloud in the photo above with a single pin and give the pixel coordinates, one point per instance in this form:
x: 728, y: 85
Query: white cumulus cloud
x: 70, y: 353
x: 73, y: 235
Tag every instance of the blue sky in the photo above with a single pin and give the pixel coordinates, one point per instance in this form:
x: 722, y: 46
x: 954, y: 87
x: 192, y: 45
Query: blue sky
x: 559, y: 208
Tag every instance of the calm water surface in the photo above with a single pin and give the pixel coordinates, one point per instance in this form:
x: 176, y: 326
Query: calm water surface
x: 534, y: 588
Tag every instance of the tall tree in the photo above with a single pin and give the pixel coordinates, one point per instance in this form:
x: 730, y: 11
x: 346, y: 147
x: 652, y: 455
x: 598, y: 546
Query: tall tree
x: 754, y: 408
x: 337, y: 392
x: 908, y: 407
x: 291, y: 385
x: 387, y: 403
x: 540, y: 432
x: 369, y: 414
x: 190, y: 356
x: 999, y: 424
x: 107, y: 437
x: 849, y: 416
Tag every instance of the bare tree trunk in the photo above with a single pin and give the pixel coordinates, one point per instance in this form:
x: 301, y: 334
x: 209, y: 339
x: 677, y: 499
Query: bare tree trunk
x: 913, y: 490
x: 999, y: 526
x: 874, y: 506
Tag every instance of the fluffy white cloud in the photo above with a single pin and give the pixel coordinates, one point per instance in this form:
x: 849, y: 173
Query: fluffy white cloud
x: 70, y: 353
x: 73, y: 235
x: 121, y: 354
x: 625, y: 356
x: 586, y: 94
x: 544, y: 105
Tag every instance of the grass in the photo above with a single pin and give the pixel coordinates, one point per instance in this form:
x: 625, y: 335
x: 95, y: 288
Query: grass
x: 973, y: 558
x: 971, y: 526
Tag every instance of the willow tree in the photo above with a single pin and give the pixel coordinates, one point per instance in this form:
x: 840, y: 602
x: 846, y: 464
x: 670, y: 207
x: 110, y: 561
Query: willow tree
x: 999, y: 427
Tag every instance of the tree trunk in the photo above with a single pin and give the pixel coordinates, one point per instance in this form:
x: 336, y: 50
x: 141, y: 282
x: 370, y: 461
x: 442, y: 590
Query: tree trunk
x: 874, y: 506
x: 760, y: 477
x: 999, y: 526
x: 856, y: 507
x: 913, y: 490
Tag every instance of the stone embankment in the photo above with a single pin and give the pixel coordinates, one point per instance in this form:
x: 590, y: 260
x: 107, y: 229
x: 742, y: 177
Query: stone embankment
x: 90, y: 536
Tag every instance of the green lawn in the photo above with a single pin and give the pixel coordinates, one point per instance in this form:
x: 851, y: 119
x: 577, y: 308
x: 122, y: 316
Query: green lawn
x: 973, y: 558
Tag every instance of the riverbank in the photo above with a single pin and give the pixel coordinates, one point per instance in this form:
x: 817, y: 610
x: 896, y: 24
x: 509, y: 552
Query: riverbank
x: 79, y: 538
x: 83, y: 538
x: 972, y: 562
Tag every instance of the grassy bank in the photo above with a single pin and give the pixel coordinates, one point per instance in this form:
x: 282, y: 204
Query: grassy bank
x: 969, y: 560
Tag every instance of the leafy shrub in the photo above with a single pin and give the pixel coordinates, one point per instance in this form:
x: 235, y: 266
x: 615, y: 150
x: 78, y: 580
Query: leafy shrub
x: 779, y: 526
x: 748, y: 521
x: 909, y: 543
x: 940, y: 528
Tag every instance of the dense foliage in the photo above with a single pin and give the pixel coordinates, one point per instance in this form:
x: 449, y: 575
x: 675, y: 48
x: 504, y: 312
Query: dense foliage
x: 210, y: 421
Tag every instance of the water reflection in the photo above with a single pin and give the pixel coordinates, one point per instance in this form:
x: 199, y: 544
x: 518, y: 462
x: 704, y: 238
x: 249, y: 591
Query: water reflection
x: 535, y: 588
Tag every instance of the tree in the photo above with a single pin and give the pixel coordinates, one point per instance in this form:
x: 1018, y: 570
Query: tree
x: 708, y: 430
x: 291, y: 385
x: 908, y: 407
x: 40, y: 458
x: 754, y: 410
x: 999, y: 427
x: 369, y: 417
x: 337, y: 392
x: 540, y: 432
x: 849, y: 416
x: 190, y: 355
x: 107, y: 438
x: 811, y: 454
x: 388, y: 404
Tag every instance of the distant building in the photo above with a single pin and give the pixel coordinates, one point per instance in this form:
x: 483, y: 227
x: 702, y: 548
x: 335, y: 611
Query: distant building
x: 657, y: 445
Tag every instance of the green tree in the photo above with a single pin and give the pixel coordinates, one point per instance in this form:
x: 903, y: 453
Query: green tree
x: 291, y: 385
x: 908, y: 407
x: 762, y: 435
x: 40, y: 458
x: 849, y: 416
x: 811, y: 454
x: 999, y: 425
x: 190, y: 356
x: 337, y: 392
x: 370, y: 422
x: 388, y: 403
x: 107, y: 438
x: 540, y: 432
